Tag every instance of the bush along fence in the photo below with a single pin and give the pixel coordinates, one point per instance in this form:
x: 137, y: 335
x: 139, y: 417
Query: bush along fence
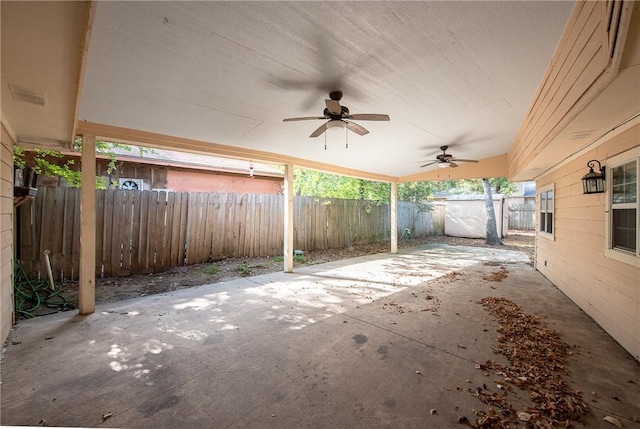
x: 150, y: 231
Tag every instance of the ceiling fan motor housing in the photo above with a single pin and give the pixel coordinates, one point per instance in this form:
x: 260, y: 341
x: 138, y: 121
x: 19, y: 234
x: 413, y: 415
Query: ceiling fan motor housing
x: 343, y: 114
x: 335, y: 95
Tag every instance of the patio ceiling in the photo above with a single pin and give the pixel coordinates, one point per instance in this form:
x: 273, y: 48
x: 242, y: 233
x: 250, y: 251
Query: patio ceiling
x: 460, y: 74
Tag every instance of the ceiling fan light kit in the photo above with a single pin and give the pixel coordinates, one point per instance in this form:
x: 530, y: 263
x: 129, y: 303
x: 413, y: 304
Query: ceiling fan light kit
x: 336, y: 123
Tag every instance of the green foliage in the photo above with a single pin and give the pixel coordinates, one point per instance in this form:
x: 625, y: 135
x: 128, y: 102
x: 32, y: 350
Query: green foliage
x: 243, y: 269
x: 474, y: 186
x: 416, y: 192
x: 43, y: 164
x: 278, y: 258
x: 311, y: 183
x: 44, y: 161
x: 210, y: 269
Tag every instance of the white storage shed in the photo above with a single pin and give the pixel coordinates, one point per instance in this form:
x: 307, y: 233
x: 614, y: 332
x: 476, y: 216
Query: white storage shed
x: 466, y: 216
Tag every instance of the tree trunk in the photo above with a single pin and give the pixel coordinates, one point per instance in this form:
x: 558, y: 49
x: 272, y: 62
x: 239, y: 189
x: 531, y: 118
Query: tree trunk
x: 492, y: 229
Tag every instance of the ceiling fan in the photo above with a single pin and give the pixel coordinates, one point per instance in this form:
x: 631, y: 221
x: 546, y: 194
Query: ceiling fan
x: 339, y: 116
x: 446, y: 160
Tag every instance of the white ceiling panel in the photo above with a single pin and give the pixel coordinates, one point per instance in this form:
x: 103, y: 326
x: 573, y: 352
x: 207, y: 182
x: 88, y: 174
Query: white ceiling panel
x: 457, y: 73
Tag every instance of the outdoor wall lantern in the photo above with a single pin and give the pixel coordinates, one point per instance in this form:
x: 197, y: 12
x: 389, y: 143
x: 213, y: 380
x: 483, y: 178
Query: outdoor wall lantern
x: 592, y: 182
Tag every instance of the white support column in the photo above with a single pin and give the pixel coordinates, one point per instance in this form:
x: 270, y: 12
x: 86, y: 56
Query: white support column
x: 394, y: 217
x: 288, y: 218
x: 87, y: 288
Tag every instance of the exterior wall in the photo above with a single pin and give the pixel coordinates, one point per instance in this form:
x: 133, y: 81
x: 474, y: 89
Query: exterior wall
x: 573, y: 258
x: 179, y: 179
x: 6, y: 235
x: 194, y: 181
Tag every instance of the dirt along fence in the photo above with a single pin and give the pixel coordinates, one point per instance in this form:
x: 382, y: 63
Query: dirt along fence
x: 150, y: 231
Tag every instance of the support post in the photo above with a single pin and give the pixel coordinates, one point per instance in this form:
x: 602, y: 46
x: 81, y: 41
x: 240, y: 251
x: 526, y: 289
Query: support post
x: 87, y: 287
x: 394, y: 217
x: 288, y: 218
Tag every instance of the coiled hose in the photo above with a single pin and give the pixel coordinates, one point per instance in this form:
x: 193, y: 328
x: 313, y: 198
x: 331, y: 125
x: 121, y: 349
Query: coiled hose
x: 34, y: 298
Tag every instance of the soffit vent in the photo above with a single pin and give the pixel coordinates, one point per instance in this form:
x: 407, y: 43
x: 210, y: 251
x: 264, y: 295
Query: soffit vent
x: 26, y: 95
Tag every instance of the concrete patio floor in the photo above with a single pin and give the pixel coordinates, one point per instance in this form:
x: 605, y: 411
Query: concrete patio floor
x: 375, y: 341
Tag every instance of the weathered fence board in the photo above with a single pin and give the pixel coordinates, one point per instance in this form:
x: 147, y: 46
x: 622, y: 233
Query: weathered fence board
x: 522, y: 217
x: 151, y: 231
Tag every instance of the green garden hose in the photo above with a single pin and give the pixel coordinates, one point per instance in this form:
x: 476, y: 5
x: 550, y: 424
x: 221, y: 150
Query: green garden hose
x: 34, y: 298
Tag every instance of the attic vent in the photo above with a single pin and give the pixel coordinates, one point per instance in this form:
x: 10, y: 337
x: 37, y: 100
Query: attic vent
x: 614, y: 15
x: 26, y: 95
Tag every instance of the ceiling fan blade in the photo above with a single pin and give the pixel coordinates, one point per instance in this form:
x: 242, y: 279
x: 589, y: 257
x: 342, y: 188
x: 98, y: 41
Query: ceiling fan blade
x: 369, y: 117
x: 452, y: 164
x: 305, y: 118
x: 464, y: 160
x: 321, y: 129
x: 428, y: 164
x: 333, y: 106
x: 358, y: 129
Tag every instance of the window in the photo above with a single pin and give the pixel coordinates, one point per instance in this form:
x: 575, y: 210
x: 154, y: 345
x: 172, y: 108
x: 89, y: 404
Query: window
x: 622, y: 212
x: 624, y: 207
x: 546, y: 210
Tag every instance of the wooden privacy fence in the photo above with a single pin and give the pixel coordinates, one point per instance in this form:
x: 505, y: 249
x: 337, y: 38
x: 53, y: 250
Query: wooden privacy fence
x: 151, y: 231
x: 522, y: 216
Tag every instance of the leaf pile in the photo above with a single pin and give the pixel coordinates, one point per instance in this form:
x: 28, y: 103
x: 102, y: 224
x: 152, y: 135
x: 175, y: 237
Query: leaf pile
x: 431, y: 305
x: 536, y: 355
x: 497, y: 276
x: 452, y: 276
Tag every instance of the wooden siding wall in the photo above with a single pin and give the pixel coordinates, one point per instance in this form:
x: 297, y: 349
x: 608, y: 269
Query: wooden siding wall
x: 144, y: 232
x: 581, y: 67
x: 606, y: 289
x: 6, y: 235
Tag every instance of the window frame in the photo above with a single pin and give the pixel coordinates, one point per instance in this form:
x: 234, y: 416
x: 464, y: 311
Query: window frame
x: 611, y: 252
x: 542, y: 215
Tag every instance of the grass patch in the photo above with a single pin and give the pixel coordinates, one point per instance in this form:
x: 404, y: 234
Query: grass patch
x: 278, y: 258
x: 210, y: 269
x: 243, y: 269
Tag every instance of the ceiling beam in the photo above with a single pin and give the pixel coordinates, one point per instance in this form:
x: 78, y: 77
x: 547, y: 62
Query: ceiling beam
x: 84, y: 51
x: 495, y: 166
x: 161, y: 141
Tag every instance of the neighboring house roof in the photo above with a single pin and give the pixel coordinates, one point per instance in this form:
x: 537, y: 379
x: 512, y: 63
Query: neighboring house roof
x: 176, y: 159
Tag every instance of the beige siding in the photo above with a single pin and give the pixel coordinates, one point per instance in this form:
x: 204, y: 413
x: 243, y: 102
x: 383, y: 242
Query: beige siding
x: 6, y: 235
x: 579, y: 59
x: 584, y: 80
x: 606, y: 289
